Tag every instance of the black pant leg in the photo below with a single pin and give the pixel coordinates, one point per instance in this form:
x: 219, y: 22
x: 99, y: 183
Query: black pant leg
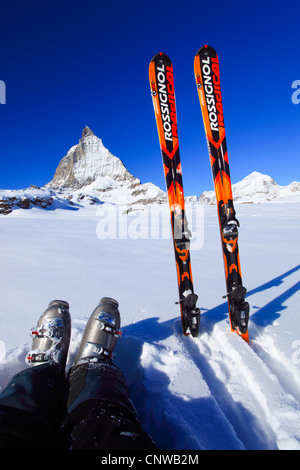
x: 101, y: 415
x: 32, y: 407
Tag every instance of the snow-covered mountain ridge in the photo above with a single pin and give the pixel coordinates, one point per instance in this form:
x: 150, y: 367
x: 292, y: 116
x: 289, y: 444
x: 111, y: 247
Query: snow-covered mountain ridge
x: 256, y: 188
x: 90, y: 174
x: 89, y: 162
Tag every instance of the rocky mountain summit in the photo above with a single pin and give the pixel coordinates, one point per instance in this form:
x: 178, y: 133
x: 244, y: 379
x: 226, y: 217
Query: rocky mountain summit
x: 90, y: 163
x: 88, y: 174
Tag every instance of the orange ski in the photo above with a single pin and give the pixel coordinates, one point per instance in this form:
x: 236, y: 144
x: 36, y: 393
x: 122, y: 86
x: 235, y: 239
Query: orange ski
x: 163, y: 96
x: 207, y: 75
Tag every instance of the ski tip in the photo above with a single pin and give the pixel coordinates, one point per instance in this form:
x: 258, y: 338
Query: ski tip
x: 206, y: 49
x: 160, y: 55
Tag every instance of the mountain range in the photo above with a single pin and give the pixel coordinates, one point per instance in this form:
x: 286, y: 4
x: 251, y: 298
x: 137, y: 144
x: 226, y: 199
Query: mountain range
x: 90, y: 174
x: 256, y: 188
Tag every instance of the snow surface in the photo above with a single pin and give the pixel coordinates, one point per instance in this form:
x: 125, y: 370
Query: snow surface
x: 210, y: 392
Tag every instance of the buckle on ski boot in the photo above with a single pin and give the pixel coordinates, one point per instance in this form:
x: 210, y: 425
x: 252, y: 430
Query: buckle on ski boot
x: 49, y: 329
x: 42, y: 332
x: 107, y: 324
x: 110, y: 329
x: 37, y: 357
x: 95, y: 352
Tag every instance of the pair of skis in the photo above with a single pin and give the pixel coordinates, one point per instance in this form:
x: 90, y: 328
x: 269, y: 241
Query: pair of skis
x: 206, y: 69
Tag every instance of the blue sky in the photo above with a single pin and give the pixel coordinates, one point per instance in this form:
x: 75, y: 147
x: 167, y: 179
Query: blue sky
x: 69, y: 63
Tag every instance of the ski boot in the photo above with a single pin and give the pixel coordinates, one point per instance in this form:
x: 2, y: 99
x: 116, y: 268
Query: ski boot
x: 101, y: 332
x: 51, y: 337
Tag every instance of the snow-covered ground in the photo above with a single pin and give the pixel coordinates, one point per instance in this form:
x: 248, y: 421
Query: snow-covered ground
x: 210, y: 392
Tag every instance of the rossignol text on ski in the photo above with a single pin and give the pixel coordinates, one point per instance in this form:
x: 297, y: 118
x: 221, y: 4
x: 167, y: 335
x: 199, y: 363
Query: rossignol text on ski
x: 206, y: 68
x: 163, y: 96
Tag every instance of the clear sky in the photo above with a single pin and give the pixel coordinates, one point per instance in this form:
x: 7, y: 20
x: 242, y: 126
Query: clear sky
x: 71, y: 63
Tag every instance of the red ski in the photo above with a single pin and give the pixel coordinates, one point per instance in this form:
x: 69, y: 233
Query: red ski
x: 163, y: 95
x: 207, y: 74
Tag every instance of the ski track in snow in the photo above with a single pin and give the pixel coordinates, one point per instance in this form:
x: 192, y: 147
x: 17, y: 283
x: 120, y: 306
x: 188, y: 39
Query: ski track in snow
x: 210, y: 392
x: 215, y: 392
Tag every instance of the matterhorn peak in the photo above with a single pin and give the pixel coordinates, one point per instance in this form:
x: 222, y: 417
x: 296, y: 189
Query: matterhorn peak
x: 89, y: 168
x: 90, y: 162
x: 87, y: 132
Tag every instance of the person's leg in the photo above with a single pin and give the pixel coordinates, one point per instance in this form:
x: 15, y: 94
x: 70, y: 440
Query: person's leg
x: 31, y: 409
x: 101, y: 415
x: 32, y: 406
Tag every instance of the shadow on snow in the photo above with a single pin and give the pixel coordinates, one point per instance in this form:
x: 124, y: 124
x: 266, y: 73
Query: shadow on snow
x: 175, y: 422
x: 211, y: 422
x: 265, y: 315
